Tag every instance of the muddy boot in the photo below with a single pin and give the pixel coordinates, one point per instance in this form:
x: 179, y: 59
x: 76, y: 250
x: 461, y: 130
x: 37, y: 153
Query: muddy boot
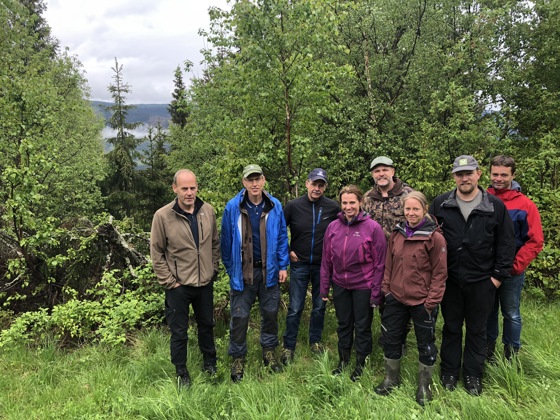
x: 424, y: 391
x: 209, y: 364
x: 392, y: 377
x: 359, y: 369
x: 343, y: 361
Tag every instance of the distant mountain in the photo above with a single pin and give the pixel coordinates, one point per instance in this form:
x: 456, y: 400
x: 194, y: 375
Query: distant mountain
x: 147, y: 114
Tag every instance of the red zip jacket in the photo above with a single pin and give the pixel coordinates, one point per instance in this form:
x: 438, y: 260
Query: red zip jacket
x: 529, y: 237
x: 354, y: 255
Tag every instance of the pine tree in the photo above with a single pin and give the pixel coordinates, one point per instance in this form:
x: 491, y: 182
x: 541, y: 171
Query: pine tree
x: 178, y: 108
x: 122, y: 180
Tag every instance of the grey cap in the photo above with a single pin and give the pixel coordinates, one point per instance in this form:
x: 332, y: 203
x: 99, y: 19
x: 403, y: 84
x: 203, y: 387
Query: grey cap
x: 464, y: 163
x: 252, y: 169
x: 381, y: 160
x: 316, y: 174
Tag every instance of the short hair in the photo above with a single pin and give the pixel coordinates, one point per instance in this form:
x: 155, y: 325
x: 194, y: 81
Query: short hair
x: 503, y: 160
x: 182, y: 171
x: 351, y: 189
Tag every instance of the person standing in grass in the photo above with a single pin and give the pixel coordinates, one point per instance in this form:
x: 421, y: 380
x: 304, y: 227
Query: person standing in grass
x: 307, y: 217
x: 185, y: 253
x: 256, y: 257
x: 354, y: 250
x: 413, y: 286
x: 481, y: 248
x: 529, y: 241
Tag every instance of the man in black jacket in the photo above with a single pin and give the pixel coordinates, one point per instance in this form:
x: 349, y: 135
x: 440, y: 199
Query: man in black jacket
x: 307, y: 217
x: 481, y: 249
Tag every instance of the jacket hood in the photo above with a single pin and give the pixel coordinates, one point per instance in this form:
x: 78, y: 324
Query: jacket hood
x: 426, y: 229
x: 505, y: 194
x: 397, y: 189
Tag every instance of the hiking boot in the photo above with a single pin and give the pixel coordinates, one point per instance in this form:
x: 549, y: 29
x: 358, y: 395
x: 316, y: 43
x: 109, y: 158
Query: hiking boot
x: 183, y: 378
x: 343, y: 361
x: 424, y: 391
x: 359, y: 369
x: 510, y: 352
x: 287, y: 356
x: 209, y: 364
x: 392, y: 377
x: 270, y: 361
x: 237, y: 369
x: 473, y: 385
x: 490, y: 352
x: 449, y: 382
x: 317, y: 348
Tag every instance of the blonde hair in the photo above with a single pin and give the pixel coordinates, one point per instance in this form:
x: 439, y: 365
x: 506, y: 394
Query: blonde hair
x: 421, y: 198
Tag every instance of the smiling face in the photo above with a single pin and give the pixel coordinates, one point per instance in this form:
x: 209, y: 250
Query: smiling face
x: 254, y: 184
x: 383, y: 176
x: 501, y: 177
x: 414, y: 212
x: 350, y: 205
x: 315, y: 189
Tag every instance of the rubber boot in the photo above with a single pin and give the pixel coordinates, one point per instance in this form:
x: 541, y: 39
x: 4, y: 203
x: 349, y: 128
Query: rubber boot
x: 209, y: 364
x: 392, y: 377
x: 359, y: 369
x: 343, y: 361
x: 510, y: 352
x: 424, y: 391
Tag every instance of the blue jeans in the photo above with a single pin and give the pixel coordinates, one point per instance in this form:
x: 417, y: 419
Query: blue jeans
x: 508, y: 296
x: 241, y: 303
x: 301, y: 274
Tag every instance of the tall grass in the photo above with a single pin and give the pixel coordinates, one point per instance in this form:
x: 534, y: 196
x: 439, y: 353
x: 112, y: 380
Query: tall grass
x: 137, y: 381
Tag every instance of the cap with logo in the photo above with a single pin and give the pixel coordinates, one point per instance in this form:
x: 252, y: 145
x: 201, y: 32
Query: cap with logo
x: 464, y: 163
x: 318, y: 174
x: 252, y: 169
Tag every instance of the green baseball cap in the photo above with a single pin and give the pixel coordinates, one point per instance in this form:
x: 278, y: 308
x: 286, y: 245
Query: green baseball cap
x: 252, y: 169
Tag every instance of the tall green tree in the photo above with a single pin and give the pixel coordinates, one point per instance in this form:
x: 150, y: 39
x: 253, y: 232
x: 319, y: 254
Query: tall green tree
x: 178, y: 108
x: 120, y: 185
x: 50, y: 150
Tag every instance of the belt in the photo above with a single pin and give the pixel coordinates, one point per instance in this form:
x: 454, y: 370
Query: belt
x: 257, y: 264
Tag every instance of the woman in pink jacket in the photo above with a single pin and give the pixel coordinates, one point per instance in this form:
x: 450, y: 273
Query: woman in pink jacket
x: 353, y: 261
x: 413, y: 286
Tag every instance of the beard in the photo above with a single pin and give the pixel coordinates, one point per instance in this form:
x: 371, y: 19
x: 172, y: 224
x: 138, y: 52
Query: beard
x: 466, y: 189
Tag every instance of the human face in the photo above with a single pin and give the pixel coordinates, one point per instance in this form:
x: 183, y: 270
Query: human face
x: 383, y: 176
x: 413, y: 211
x: 186, y: 188
x: 501, y: 177
x: 350, y: 205
x: 315, y: 189
x: 254, y: 184
x: 467, y: 181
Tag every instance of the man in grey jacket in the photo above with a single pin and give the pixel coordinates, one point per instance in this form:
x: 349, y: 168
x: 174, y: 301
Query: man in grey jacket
x: 185, y: 251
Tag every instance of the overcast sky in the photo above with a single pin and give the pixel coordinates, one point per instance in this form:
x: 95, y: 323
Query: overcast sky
x: 148, y: 37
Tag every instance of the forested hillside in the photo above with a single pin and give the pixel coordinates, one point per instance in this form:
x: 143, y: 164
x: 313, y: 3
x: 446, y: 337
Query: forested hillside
x: 290, y: 85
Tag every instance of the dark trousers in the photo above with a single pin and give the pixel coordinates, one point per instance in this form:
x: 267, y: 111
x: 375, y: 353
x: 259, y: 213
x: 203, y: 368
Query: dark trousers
x: 396, y: 316
x: 241, y: 303
x: 177, y: 303
x: 469, y: 305
x: 354, y: 317
x: 301, y: 275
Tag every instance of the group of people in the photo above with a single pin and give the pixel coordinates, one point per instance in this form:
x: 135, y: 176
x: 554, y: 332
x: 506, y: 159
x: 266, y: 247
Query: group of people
x: 386, y: 248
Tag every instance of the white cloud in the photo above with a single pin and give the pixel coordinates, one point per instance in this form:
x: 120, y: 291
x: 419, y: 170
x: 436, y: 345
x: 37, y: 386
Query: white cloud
x: 149, y: 38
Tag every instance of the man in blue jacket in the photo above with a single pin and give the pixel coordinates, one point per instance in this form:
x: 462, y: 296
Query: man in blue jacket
x: 254, y: 243
x: 481, y: 248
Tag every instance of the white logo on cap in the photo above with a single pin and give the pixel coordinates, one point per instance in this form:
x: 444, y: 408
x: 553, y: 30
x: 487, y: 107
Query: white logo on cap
x: 463, y: 161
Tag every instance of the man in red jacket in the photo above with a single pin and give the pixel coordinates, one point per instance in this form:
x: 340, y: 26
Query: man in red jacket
x: 529, y: 241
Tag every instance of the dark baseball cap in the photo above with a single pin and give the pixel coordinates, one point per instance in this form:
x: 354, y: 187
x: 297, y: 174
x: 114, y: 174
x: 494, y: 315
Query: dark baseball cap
x: 464, y: 163
x: 318, y: 174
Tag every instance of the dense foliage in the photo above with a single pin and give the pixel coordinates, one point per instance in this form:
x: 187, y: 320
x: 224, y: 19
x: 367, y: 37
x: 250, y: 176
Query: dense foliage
x: 290, y: 85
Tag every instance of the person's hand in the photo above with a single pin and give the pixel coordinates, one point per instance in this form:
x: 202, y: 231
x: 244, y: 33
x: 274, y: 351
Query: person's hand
x: 496, y: 282
x: 325, y: 299
x: 177, y: 284
x: 282, y: 276
x: 293, y: 257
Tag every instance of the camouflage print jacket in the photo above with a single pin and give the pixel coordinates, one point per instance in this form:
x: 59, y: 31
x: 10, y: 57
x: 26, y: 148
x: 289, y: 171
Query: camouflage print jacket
x: 387, y: 211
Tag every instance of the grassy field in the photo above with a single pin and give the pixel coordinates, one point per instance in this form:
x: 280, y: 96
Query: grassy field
x: 137, y: 381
